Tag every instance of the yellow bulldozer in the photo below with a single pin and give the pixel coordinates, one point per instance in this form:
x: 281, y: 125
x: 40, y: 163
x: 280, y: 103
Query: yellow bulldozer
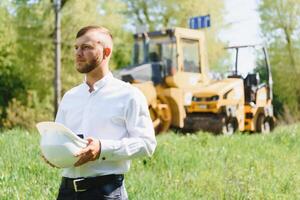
x: 170, y: 67
x: 240, y: 102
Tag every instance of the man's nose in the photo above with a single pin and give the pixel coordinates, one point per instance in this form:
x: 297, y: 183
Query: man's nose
x: 78, y: 52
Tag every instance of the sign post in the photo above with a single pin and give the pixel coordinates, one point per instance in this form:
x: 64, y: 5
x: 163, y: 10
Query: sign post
x: 200, y: 22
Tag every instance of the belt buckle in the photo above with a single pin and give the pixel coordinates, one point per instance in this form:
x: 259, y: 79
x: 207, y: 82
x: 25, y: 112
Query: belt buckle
x: 75, y: 185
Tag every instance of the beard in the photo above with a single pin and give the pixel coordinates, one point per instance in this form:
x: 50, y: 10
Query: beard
x: 88, y: 67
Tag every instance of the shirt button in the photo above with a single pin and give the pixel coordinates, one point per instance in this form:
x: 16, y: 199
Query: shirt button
x: 103, y: 158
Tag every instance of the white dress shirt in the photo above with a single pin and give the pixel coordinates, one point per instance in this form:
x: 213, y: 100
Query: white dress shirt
x: 117, y: 114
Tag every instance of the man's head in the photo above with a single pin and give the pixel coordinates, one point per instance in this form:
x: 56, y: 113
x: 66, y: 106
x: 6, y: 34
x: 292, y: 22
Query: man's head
x: 93, y: 48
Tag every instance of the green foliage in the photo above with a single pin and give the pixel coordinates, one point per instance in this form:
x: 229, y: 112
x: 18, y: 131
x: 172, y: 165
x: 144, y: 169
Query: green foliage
x: 25, y: 50
x: 26, y: 114
x: 33, y: 23
x: 199, y: 166
x: 280, y: 26
x: 11, y: 82
x: 11, y: 86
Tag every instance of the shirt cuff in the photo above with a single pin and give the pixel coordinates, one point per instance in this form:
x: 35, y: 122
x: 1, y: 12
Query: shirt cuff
x: 108, y: 147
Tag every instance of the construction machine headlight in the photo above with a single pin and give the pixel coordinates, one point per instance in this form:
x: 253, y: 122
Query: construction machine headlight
x: 214, y: 98
x: 196, y: 99
x: 199, y: 99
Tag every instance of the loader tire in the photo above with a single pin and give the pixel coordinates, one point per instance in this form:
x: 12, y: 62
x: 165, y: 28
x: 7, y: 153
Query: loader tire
x: 229, y: 126
x: 160, y: 115
x: 264, y: 125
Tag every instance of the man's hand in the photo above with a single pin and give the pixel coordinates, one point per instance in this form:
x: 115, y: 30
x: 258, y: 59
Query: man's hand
x: 48, y: 161
x: 89, y: 153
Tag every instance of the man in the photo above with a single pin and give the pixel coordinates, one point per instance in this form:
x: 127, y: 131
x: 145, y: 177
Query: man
x: 111, y: 114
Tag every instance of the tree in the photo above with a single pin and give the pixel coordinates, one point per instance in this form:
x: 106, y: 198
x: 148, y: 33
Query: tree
x: 23, y: 52
x: 11, y: 82
x: 281, y: 19
x: 33, y: 25
x: 281, y: 26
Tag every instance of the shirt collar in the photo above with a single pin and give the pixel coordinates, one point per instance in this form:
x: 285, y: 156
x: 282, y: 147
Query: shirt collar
x: 100, y: 83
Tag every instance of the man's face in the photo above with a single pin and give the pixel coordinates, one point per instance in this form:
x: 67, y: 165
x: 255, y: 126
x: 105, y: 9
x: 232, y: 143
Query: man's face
x: 88, y: 52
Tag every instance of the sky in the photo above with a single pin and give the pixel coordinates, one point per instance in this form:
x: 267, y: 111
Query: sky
x: 243, y: 20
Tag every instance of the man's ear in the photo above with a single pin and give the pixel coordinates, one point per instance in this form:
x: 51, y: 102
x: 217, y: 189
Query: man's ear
x: 106, y: 52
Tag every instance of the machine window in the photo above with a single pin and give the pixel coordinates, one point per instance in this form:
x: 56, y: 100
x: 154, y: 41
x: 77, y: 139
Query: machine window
x: 191, y: 61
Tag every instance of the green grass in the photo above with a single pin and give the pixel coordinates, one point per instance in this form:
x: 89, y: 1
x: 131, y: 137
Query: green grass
x: 198, y: 166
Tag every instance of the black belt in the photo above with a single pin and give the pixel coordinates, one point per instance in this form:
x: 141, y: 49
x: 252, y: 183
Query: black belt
x: 83, y: 184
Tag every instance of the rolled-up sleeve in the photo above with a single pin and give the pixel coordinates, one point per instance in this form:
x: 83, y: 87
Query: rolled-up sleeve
x: 141, y: 136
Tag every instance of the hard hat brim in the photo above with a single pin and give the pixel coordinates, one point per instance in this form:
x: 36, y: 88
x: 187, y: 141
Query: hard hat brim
x: 43, y: 127
x: 59, y: 144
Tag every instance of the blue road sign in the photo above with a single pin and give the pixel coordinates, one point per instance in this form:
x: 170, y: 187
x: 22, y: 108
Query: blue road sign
x: 199, y: 22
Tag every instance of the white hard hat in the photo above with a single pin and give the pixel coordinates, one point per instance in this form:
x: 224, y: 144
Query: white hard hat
x: 59, y: 144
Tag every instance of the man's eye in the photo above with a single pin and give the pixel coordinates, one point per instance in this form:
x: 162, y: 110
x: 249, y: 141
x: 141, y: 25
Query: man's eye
x: 86, y: 47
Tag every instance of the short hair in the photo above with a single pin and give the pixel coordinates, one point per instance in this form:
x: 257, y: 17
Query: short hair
x: 86, y: 29
x: 101, y: 29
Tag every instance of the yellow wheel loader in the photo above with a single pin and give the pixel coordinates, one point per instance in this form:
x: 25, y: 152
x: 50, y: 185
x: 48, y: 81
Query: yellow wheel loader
x: 240, y: 102
x: 169, y: 67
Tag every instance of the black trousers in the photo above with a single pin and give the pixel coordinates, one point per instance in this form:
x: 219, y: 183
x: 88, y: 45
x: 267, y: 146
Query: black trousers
x: 98, y: 188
